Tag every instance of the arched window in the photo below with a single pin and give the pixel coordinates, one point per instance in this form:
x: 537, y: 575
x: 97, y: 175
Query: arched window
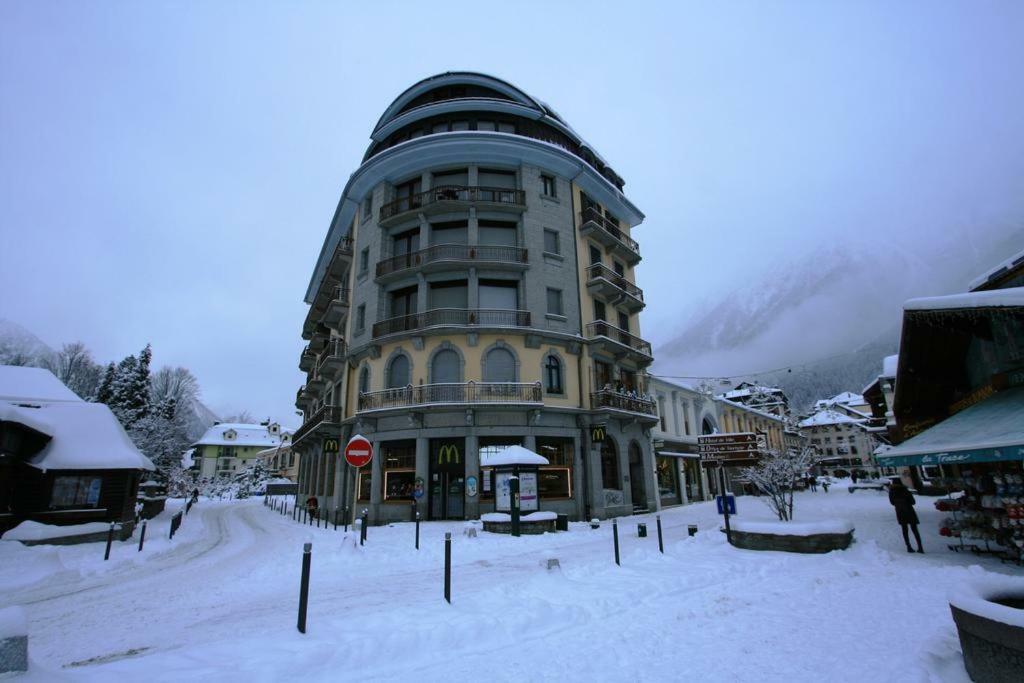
x: 499, y: 365
x: 609, y: 464
x: 707, y: 427
x: 553, y: 375
x: 445, y: 367
x: 364, y: 380
x: 398, y: 372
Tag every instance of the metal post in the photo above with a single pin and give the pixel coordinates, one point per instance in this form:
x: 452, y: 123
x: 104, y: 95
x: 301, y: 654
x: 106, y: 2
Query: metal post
x: 307, y: 549
x: 335, y: 519
x: 345, y: 520
x: 110, y: 539
x: 725, y: 506
x: 305, y: 511
x: 448, y: 567
x: 661, y: 543
x: 142, y: 535
x: 362, y: 527
x: 513, y: 489
x: 615, y: 538
x: 417, y: 530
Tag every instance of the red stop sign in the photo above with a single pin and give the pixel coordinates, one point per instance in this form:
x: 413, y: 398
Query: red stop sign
x: 359, y: 451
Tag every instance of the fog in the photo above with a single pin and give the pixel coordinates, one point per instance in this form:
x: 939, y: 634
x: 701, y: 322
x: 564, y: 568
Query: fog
x: 168, y: 171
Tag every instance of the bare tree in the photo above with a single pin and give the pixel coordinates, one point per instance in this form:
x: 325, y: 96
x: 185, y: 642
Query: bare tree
x: 242, y: 417
x: 174, y: 383
x: 73, y: 365
x: 776, y: 476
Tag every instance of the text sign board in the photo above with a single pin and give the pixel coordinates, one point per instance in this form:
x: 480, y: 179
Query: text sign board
x: 527, y: 492
x: 736, y: 446
x: 729, y: 504
x: 359, y: 451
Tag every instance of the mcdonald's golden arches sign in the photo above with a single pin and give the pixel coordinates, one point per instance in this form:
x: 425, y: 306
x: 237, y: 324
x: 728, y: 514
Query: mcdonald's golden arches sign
x: 597, y: 433
x: 449, y: 453
x: 331, y: 446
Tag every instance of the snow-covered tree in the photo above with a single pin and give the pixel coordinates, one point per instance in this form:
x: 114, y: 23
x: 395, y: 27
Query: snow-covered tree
x: 174, y: 383
x: 776, y: 476
x: 130, y: 394
x: 105, y: 391
x: 73, y: 365
x: 243, y: 417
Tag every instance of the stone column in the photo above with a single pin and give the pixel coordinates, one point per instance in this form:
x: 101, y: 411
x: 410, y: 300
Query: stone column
x: 376, y: 483
x: 423, y: 473
x: 472, y: 460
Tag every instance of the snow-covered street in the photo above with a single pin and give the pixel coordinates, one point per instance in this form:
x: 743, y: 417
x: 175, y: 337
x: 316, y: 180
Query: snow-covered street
x: 225, y: 591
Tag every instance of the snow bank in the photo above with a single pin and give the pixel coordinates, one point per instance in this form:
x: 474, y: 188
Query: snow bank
x: 976, y: 597
x: 531, y: 517
x: 13, y: 622
x: 37, y: 531
x: 825, y: 526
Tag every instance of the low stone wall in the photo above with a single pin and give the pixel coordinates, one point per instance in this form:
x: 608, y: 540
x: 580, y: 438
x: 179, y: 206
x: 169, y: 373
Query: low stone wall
x: 122, y: 534
x: 993, y: 651
x: 524, y: 527
x: 813, y: 544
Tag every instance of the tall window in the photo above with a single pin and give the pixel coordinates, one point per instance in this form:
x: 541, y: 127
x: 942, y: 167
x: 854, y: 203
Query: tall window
x: 445, y: 367
x: 361, y: 316
x: 555, y: 478
x: 398, y: 372
x: 367, y: 206
x: 551, y: 245
x: 555, y: 301
x: 364, y: 380
x: 595, y: 255
x: 553, y: 375
x: 499, y: 366
x: 398, y: 465
x: 548, y: 185
x: 364, y: 260
x: 609, y: 465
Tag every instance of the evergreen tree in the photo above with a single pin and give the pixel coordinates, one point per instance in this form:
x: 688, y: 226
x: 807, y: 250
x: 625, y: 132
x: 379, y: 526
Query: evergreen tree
x: 106, y: 390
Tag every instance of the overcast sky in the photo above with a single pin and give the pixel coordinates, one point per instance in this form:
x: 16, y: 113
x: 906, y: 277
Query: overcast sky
x: 168, y: 170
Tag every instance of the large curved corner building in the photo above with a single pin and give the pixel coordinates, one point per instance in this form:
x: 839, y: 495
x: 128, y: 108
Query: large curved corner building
x: 476, y: 289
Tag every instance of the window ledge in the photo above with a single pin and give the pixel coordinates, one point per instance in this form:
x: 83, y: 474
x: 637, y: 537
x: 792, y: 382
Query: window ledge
x: 549, y: 198
x: 555, y: 316
x: 551, y: 256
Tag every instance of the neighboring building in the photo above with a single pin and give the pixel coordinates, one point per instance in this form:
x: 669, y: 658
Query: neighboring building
x: 281, y: 460
x: 880, y: 396
x: 854, y: 405
x: 684, y: 413
x: 761, y: 410
x: 228, y: 448
x: 1007, y: 274
x: 476, y: 290
x: 765, y: 399
x: 63, y: 461
x: 842, y: 443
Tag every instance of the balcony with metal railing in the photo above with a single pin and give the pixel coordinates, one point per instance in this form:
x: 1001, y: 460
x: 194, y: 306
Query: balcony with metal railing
x: 326, y: 421
x: 608, y: 233
x: 337, y: 307
x: 460, y: 393
x: 439, y: 256
x: 604, y: 282
x: 619, y: 342
x: 331, y: 360
x: 302, y: 398
x: 452, y: 317
x: 447, y: 197
x: 307, y: 359
x: 622, y: 402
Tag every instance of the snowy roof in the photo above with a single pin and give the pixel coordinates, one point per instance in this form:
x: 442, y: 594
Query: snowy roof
x: 889, y: 365
x: 1009, y: 263
x: 828, y: 417
x: 846, y: 398
x: 513, y: 455
x: 83, y: 436
x: 750, y: 409
x: 1013, y: 296
x: 993, y: 423
x: 19, y: 383
x: 751, y: 389
x: 245, y: 435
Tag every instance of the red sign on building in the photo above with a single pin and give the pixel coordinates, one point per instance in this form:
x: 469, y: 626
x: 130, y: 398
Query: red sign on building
x: 359, y: 451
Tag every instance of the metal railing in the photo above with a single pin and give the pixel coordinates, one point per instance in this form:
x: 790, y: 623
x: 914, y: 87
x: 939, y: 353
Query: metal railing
x: 452, y: 252
x: 463, y: 392
x: 600, y: 328
x: 326, y: 415
x: 453, y: 193
x: 342, y: 294
x: 345, y: 245
x: 335, y: 351
x: 593, y: 215
x: 452, y: 317
x: 599, y: 270
x: 621, y: 401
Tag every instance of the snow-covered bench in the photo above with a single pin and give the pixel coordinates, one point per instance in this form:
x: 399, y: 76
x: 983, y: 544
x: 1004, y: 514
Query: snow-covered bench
x: 532, y: 523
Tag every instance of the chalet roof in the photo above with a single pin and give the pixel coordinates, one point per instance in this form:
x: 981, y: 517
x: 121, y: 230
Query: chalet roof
x: 828, y: 417
x: 245, y: 435
x: 24, y: 384
x: 996, y: 298
x: 991, y: 274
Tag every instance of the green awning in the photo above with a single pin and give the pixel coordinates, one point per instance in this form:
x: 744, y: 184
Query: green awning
x: 990, y: 431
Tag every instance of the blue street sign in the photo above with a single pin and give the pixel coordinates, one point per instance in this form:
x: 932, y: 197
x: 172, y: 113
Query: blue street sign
x: 730, y: 501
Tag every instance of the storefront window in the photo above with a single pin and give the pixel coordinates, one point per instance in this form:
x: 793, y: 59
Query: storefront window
x: 363, y: 484
x: 667, y: 479
x: 609, y: 465
x: 489, y: 445
x: 398, y: 462
x: 555, y: 479
x: 71, y: 492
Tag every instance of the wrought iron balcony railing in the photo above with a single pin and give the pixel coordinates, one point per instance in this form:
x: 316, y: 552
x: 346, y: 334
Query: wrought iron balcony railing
x: 622, y: 401
x: 453, y: 193
x: 326, y: 415
x: 600, y: 328
x: 463, y: 392
x: 451, y: 252
x: 599, y: 270
x: 593, y: 215
x: 454, y: 317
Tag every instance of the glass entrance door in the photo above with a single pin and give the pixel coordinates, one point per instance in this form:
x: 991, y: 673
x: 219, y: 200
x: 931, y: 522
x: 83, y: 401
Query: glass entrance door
x: 447, y: 479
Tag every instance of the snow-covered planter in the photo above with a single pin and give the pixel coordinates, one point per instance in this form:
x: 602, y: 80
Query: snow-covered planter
x: 989, y: 616
x: 793, y: 537
x: 36, y: 533
x: 532, y: 523
x: 13, y: 640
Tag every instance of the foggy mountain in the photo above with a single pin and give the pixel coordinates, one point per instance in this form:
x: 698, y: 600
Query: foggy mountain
x: 828, y: 318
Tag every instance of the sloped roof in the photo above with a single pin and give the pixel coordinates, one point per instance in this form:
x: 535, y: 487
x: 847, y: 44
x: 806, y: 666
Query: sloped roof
x: 246, y: 435
x: 27, y: 384
x: 996, y: 298
x: 828, y: 417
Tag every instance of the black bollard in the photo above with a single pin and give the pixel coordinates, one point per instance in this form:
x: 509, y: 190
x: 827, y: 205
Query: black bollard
x: 304, y: 512
x: 110, y: 539
x: 448, y: 567
x: 142, y: 535
x: 513, y: 492
x: 691, y: 530
x: 661, y: 542
x: 615, y: 538
x: 345, y: 520
x: 362, y: 528
x: 417, y: 530
x: 307, y: 549
x: 335, y: 519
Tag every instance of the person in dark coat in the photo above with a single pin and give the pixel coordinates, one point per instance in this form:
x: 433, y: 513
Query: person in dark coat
x: 853, y: 476
x: 902, y: 499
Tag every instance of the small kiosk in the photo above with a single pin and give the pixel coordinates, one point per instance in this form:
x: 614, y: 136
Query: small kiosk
x: 522, y: 464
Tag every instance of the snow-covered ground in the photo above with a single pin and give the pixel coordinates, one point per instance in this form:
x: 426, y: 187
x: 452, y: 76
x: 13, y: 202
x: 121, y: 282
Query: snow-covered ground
x: 220, y: 600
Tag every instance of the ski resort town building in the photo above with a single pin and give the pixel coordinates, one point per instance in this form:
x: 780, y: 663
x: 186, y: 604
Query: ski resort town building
x: 281, y: 461
x: 227, y: 449
x: 684, y: 413
x: 842, y: 443
x: 67, y: 468
x: 476, y: 289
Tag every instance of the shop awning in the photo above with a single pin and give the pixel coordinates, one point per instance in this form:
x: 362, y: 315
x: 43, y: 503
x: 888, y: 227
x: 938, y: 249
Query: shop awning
x: 677, y: 454
x: 989, y: 431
